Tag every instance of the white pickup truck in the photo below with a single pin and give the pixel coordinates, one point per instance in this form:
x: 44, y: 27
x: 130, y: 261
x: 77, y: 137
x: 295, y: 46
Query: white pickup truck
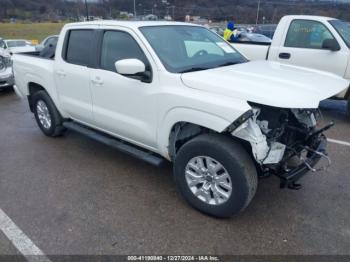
x: 316, y: 42
x: 179, y: 92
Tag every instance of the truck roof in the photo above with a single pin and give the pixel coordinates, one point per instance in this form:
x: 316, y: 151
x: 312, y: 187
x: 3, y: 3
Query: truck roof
x: 129, y: 24
x: 309, y: 17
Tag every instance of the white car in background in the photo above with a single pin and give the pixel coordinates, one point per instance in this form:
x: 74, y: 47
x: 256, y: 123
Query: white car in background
x: 6, y: 73
x: 14, y: 46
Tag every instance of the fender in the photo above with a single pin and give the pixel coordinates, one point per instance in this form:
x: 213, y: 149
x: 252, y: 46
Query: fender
x: 189, y: 115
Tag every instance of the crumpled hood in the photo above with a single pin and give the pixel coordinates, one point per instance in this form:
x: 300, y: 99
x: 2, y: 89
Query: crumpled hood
x: 268, y: 83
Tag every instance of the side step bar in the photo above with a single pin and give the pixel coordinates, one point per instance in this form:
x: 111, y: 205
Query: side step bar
x: 125, y: 147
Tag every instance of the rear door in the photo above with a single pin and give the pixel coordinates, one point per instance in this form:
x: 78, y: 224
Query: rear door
x: 72, y: 74
x: 303, y: 47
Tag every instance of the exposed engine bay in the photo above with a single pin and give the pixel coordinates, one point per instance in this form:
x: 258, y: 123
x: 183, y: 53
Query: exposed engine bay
x: 284, y: 142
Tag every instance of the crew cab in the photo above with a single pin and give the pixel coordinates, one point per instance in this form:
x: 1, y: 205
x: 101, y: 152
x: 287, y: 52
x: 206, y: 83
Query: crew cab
x: 165, y: 91
x: 317, y: 42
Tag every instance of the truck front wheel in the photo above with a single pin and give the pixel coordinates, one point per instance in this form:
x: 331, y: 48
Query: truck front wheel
x: 47, y: 116
x: 215, y: 175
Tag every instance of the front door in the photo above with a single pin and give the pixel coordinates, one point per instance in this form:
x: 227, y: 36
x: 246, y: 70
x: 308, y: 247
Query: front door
x: 124, y: 106
x: 303, y: 47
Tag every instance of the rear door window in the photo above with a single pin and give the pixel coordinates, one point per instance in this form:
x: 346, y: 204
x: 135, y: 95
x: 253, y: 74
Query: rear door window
x: 79, y: 47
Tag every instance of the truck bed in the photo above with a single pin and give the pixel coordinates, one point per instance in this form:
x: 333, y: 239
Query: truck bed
x: 38, y: 54
x: 253, y: 51
x: 32, y: 67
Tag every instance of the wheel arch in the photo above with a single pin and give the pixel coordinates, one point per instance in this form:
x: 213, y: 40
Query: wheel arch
x: 347, y: 94
x: 180, y: 133
x: 36, y: 86
x: 182, y: 124
x: 32, y: 89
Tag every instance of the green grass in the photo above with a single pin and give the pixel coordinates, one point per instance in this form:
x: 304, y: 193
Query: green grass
x: 30, y: 31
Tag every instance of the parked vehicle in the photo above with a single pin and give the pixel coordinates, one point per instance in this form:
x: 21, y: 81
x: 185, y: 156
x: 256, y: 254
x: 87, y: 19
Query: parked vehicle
x: 16, y: 46
x: 6, y: 74
x: 310, y: 41
x: 50, y: 40
x: 179, y: 92
x: 218, y: 30
x: 2, y: 44
x: 266, y: 30
x: 245, y: 37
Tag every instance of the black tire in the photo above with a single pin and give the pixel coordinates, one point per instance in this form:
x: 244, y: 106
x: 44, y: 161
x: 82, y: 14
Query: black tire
x: 235, y: 160
x: 55, y: 128
x: 6, y: 89
x: 349, y: 107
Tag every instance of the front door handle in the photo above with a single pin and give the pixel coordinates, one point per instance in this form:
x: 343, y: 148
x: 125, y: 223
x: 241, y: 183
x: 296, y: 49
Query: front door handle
x: 284, y: 55
x: 97, y: 81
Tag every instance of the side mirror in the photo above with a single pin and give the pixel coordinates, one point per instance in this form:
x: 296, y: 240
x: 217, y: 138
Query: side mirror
x: 331, y: 44
x: 134, y: 68
x: 130, y: 67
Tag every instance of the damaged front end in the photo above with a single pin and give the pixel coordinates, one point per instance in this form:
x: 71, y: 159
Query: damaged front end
x: 284, y: 142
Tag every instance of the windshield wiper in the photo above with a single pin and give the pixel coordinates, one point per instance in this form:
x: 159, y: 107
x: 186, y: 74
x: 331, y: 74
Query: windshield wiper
x: 228, y: 64
x: 194, y: 69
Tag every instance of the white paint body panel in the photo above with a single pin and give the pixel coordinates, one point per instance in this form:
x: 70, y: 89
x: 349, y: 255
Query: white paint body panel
x: 269, y: 83
x: 252, y: 52
x: 130, y: 66
x: 15, y: 50
x: 325, y: 60
x: 145, y: 113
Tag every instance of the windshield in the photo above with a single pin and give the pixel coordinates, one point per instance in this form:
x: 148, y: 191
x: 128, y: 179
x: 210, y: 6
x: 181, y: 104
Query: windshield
x: 343, y: 30
x: 190, y: 48
x: 17, y: 43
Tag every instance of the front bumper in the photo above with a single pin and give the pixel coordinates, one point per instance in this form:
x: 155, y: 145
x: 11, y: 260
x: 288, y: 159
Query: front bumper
x: 6, y: 78
x: 289, y: 178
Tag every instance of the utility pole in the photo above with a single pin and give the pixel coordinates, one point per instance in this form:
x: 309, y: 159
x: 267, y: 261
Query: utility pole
x: 87, y: 10
x: 135, y: 8
x: 257, y: 13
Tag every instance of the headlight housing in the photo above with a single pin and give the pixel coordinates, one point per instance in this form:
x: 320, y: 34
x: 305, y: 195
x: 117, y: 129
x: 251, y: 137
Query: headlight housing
x: 2, y: 63
x: 8, y: 61
x: 5, y: 62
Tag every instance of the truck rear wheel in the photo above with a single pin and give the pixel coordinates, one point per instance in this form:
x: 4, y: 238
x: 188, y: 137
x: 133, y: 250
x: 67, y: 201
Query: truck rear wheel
x: 46, y: 114
x: 215, y: 175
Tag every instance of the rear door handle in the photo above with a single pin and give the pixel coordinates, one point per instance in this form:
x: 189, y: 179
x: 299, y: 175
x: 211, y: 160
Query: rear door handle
x: 61, y: 73
x: 284, y: 55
